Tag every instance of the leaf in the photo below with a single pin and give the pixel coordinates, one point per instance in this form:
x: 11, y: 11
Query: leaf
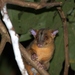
x: 72, y: 45
x: 57, y: 61
x: 71, y: 16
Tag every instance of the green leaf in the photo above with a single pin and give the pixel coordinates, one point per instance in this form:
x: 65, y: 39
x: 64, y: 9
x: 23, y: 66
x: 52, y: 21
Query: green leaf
x: 58, y: 58
x: 72, y: 45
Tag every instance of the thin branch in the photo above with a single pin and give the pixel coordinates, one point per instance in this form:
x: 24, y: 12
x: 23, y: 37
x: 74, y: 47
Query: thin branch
x: 66, y: 68
x: 2, y: 44
x: 33, y: 5
x: 4, y: 37
x: 1, y: 3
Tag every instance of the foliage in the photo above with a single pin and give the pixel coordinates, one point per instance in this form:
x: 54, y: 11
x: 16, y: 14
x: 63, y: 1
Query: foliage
x: 25, y: 19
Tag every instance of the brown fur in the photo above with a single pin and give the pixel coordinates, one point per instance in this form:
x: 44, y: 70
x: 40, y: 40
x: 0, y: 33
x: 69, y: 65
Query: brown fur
x: 42, y: 47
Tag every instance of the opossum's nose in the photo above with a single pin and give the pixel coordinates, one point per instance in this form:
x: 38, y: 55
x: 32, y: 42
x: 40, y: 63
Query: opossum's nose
x: 40, y: 43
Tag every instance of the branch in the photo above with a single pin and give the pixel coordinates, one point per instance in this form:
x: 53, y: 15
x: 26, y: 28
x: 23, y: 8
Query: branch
x: 33, y: 4
x: 30, y: 4
x: 66, y: 68
x: 4, y: 37
x: 14, y: 39
x: 2, y: 44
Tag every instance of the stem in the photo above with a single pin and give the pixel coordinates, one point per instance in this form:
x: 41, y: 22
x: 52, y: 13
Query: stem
x: 4, y: 37
x: 66, y: 68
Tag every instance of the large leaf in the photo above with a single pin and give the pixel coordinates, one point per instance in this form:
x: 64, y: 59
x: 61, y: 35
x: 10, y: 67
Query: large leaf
x: 71, y: 26
x: 57, y: 61
x: 72, y: 45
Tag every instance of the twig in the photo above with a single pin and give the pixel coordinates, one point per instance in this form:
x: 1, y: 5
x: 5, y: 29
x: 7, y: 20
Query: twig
x: 4, y: 37
x: 2, y: 44
x: 66, y: 68
x: 14, y: 39
x: 1, y: 3
x: 33, y: 5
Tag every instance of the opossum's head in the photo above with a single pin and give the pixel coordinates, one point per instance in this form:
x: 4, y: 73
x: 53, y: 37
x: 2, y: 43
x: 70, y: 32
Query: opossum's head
x: 44, y: 37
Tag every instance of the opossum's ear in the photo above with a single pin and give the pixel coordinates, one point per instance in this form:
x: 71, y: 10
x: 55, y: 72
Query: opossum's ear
x: 33, y: 32
x: 54, y: 32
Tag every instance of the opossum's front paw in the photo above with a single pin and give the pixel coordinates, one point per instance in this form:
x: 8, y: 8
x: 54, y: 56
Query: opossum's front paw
x: 40, y: 65
x: 34, y: 57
